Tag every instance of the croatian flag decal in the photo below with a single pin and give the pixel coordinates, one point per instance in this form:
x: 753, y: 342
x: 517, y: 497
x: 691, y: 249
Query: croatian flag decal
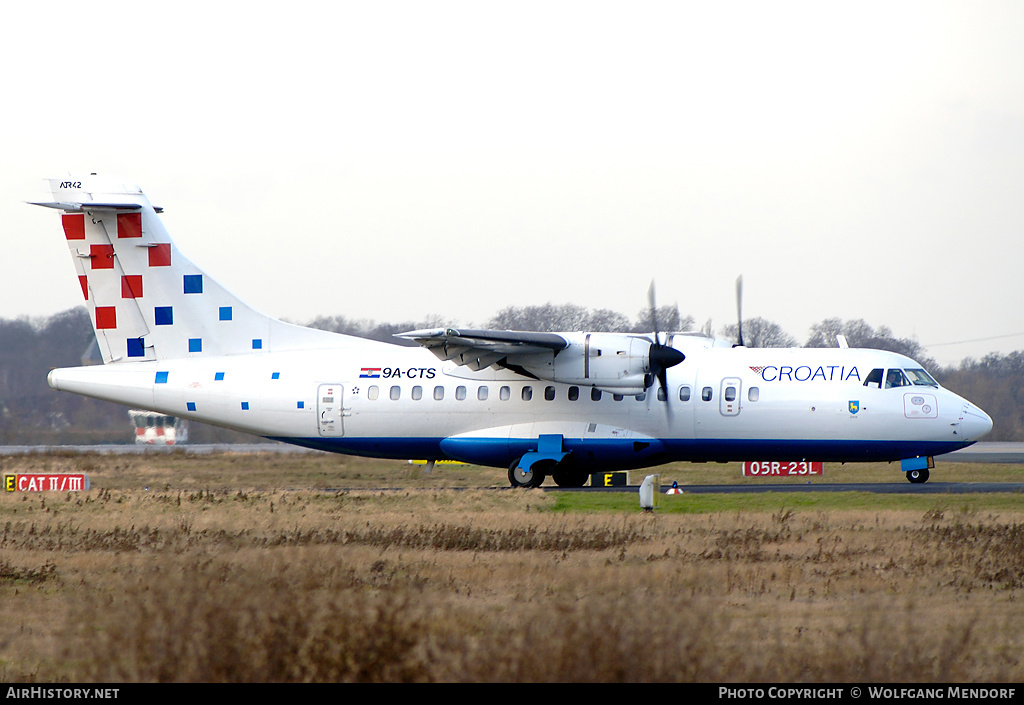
x: 369, y: 372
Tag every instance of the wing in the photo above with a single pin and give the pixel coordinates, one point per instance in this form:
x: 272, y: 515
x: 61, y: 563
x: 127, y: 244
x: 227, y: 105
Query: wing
x: 478, y: 349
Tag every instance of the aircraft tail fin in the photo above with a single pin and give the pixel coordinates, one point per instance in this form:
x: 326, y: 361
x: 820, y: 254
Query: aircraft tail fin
x: 146, y: 300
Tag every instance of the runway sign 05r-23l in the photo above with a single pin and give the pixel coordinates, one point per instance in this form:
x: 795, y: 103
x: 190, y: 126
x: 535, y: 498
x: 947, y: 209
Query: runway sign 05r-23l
x: 774, y: 468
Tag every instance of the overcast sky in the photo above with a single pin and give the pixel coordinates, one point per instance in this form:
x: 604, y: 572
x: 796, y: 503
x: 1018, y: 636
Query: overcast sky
x: 399, y: 160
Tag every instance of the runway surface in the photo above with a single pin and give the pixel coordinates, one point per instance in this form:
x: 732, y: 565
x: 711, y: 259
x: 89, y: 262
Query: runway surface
x: 999, y: 453
x: 987, y: 453
x: 898, y: 486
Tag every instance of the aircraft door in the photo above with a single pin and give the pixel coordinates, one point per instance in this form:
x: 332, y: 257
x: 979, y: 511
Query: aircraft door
x: 329, y: 410
x: 730, y: 397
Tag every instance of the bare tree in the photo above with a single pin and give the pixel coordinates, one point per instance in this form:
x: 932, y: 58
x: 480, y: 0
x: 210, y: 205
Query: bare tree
x: 826, y: 333
x: 373, y: 330
x: 760, y: 333
x: 861, y: 335
x: 669, y: 320
x: 551, y: 317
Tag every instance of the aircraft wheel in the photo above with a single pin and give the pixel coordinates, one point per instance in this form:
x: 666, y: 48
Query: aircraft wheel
x: 534, y: 477
x: 918, y: 476
x: 570, y: 478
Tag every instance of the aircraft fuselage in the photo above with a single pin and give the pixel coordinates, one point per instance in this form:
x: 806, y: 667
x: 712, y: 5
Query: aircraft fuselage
x: 721, y: 404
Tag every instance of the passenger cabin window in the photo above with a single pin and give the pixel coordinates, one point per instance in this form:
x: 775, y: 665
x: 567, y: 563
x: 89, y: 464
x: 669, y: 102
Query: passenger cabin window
x: 438, y: 393
x: 730, y: 393
x: 417, y: 392
x: 527, y: 393
x: 373, y: 392
x: 396, y: 392
x: 481, y: 393
x: 706, y: 394
x: 595, y: 394
x: 641, y: 396
x: 460, y: 393
x: 684, y: 393
x: 662, y: 394
x: 874, y: 378
x: 505, y: 393
x: 896, y: 378
x: 549, y: 393
x: 574, y: 393
x: 753, y: 394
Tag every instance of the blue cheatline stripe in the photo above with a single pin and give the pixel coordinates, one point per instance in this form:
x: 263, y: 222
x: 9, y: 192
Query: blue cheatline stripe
x: 627, y: 453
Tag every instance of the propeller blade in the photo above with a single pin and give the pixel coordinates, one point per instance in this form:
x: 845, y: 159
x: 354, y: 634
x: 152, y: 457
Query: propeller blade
x: 664, y: 357
x: 661, y: 356
x: 654, y: 312
x: 739, y: 308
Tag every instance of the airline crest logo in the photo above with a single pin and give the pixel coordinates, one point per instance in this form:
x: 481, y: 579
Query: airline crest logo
x: 854, y: 407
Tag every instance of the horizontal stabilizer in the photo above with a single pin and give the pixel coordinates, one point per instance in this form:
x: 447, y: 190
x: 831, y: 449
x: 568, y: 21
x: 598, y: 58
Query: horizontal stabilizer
x: 71, y: 207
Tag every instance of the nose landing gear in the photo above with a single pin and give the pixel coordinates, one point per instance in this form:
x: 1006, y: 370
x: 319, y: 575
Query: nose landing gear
x: 917, y: 468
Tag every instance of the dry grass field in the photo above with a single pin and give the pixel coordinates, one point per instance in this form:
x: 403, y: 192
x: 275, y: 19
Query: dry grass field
x: 297, y: 567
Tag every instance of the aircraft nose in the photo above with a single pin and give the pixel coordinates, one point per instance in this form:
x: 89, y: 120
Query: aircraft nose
x: 975, y: 423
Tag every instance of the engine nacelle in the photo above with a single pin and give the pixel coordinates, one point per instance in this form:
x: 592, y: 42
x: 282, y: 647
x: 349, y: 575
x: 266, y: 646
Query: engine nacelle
x: 612, y: 362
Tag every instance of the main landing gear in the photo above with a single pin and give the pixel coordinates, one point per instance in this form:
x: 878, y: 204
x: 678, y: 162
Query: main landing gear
x: 533, y: 477
x: 918, y: 476
x: 539, y: 471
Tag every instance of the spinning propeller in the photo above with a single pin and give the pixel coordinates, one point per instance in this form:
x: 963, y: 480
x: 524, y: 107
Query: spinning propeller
x: 661, y: 356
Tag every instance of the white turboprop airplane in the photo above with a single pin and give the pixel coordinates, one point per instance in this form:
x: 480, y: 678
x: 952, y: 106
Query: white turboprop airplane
x: 542, y: 404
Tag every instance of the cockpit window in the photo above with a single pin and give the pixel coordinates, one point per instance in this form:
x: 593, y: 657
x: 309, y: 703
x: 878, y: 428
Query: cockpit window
x: 920, y: 378
x: 874, y: 378
x: 896, y: 378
